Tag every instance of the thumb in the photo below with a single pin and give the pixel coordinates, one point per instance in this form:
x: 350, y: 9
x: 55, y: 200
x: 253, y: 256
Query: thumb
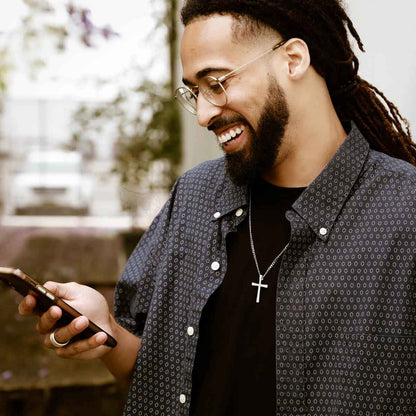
x: 62, y: 290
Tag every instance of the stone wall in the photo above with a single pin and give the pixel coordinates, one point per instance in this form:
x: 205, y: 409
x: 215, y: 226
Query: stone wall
x: 33, y: 381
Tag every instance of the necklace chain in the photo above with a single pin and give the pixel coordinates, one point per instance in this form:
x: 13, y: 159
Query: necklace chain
x: 253, y: 250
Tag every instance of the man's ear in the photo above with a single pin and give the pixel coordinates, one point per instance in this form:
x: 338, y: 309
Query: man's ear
x: 298, y: 57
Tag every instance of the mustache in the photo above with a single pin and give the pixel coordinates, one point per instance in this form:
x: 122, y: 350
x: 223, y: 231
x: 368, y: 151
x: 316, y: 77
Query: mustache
x: 226, y: 121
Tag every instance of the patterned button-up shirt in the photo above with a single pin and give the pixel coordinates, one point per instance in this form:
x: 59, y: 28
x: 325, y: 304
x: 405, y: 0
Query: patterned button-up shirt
x: 345, y: 301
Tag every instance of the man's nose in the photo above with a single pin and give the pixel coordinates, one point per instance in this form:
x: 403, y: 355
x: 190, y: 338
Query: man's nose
x: 206, y: 112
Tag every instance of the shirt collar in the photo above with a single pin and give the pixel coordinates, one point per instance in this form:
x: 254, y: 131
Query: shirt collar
x: 320, y: 204
x: 230, y: 197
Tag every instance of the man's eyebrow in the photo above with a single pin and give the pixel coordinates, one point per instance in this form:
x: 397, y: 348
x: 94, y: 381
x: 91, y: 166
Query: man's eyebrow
x: 204, y: 72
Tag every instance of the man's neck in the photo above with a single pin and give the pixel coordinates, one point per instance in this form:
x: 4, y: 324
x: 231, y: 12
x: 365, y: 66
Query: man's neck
x: 306, y: 150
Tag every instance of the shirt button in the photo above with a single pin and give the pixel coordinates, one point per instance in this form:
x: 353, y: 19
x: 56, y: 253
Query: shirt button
x: 323, y: 231
x: 239, y: 212
x: 190, y: 331
x: 182, y: 398
x: 217, y: 215
x: 215, y: 266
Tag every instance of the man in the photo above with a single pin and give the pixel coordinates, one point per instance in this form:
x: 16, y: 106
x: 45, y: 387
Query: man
x: 280, y: 279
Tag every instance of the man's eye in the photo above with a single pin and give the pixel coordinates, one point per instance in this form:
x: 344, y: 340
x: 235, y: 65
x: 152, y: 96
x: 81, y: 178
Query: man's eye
x: 216, y: 87
x: 212, y: 86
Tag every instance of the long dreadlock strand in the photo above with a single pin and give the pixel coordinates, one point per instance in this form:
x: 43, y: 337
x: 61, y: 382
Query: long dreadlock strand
x: 375, y: 118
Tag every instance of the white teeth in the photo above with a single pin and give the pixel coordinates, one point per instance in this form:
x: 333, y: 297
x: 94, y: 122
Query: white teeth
x: 222, y: 139
x: 230, y: 135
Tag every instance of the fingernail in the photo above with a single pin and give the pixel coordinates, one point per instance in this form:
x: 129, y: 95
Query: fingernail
x: 79, y: 324
x: 54, y: 313
x: 101, y: 337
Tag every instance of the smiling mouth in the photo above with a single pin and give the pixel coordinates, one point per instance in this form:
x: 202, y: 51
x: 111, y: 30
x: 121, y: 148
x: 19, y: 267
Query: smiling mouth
x: 231, y: 134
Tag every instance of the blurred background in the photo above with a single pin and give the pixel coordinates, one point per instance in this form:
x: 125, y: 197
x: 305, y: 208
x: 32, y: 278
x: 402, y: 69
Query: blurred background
x: 91, y: 142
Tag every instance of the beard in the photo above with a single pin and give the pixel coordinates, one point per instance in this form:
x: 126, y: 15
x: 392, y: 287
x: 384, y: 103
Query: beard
x: 261, y: 151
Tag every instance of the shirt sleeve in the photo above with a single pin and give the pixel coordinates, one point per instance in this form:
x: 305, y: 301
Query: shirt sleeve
x: 135, y: 288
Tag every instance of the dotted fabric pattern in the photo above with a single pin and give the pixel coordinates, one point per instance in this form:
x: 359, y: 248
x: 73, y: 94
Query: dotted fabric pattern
x: 345, y: 302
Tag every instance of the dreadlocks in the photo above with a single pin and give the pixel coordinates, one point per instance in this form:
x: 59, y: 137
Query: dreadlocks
x: 324, y: 26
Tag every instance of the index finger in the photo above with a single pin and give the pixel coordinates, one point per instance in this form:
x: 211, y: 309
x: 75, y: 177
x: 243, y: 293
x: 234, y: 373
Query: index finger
x: 49, y: 319
x: 27, y: 306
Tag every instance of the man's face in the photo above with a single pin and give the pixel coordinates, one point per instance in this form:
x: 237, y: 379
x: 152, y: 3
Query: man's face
x: 251, y: 126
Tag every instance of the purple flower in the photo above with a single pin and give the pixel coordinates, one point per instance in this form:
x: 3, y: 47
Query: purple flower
x: 6, y: 375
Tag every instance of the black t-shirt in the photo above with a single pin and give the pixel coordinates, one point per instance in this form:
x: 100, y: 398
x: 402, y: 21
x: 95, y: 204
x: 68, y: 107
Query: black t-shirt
x: 235, y: 365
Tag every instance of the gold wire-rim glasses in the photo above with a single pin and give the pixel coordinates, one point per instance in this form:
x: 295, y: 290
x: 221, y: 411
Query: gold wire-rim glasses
x: 212, y: 88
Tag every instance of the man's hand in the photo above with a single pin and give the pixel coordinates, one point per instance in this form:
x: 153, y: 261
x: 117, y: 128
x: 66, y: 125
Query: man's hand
x: 119, y: 360
x: 87, y: 301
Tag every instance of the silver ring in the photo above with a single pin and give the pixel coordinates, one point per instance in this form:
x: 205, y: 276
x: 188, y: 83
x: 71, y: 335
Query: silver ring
x: 55, y: 343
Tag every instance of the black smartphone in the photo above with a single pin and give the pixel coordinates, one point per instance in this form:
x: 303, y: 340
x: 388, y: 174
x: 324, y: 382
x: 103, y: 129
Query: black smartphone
x: 25, y: 285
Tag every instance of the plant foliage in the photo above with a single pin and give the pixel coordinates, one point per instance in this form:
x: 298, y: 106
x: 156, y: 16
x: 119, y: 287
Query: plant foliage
x: 146, y: 129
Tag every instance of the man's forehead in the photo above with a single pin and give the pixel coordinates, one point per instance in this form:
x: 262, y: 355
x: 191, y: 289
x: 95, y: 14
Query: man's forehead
x: 208, y: 33
x: 208, y: 43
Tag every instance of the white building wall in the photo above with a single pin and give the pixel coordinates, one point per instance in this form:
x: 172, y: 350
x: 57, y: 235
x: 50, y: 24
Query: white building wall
x: 388, y: 32
x: 46, y: 123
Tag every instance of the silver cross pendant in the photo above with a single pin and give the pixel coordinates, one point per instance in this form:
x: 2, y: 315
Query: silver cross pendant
x: 259, y: 285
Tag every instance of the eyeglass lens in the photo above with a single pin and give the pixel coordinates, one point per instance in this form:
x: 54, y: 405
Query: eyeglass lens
x: 187, y: 99
x: 213, y: 90
x: 210, y: 88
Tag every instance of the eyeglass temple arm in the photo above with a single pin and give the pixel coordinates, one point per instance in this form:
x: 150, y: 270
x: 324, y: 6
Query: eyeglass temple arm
x: 237, y: 70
